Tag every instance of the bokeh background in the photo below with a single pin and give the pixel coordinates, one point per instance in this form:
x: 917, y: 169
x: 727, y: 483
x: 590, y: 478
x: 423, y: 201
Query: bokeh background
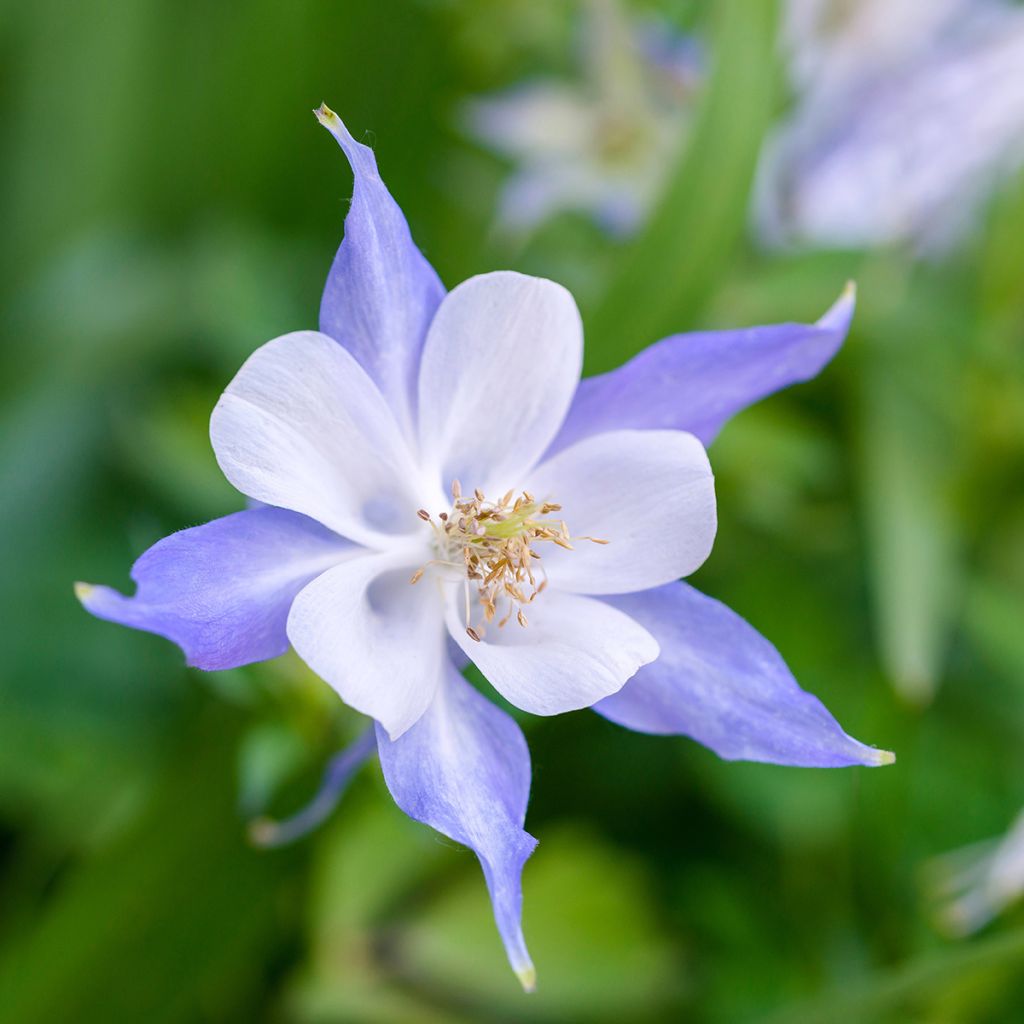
x: 168, y: 203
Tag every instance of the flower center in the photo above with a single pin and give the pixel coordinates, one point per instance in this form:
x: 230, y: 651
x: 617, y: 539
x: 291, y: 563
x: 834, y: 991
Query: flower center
x: 493, y: 545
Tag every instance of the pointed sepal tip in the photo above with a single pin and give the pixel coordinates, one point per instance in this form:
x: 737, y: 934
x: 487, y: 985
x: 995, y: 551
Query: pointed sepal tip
x: 527, y: 975
x: 883, y: 757
x: 327, y: 117
x: 83, y: 591
x: 263, y: 832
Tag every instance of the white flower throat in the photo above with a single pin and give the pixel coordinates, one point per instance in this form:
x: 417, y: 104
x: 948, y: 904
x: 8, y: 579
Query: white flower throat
x: 492, y: 545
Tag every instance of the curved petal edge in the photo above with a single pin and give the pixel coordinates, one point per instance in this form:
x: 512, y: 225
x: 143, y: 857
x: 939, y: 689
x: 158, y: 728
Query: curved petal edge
x: 500, y: 366
x: 381, y: 292
x: 648, y: 495
x: 376, y: 641
x: 464, y: 769
x: 721, y: 683
x: 574, y: 651
x: 222, y: 591
x: 698, y: 381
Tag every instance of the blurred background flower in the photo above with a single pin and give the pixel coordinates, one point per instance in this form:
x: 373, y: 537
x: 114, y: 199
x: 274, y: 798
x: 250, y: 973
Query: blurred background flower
x: 599, y: 141
x: 163, y: 200
x: 908, y: 114
x: 978, y: 881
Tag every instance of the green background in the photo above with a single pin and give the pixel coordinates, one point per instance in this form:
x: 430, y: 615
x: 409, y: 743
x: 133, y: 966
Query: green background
x: 167, y: 204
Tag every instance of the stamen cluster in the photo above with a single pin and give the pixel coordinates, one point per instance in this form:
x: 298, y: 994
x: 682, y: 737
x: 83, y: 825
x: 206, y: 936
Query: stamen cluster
x: 492, y: 545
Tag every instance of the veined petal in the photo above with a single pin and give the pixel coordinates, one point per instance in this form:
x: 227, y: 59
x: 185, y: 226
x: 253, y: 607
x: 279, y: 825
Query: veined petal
x: 721, y: 683
x: 649, y: 493
x: 303, y: 427
x: 464, y: 769
x: 500, y: 366
x: 381, y: 293
x: 378, y: 641
x: 222, y: 591
x: 695, y: 382
x: 574, y: 651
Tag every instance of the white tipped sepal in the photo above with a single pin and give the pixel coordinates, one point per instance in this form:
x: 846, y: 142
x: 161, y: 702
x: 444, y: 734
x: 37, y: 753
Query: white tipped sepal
x: 527, y: 975
x: 327, y: 117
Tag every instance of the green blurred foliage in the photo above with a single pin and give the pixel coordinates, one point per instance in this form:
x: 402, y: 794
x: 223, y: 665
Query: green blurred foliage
x: 168, y: 204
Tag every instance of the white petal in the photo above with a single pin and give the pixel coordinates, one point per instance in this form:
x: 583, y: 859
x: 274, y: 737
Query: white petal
x: 379, y: 642
x: 500, y: 366
x: 572, y: 653
x: 303, y: 427
x: 649, y: 493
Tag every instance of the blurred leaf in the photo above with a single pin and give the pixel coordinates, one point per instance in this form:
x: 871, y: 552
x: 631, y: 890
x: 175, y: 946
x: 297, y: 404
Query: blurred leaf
x: 999, y: 271
x: 171, y: 923
x: 925, y: 982
x: 911, y: 458
x: 168, y: 446
x: 399, y: 911
x: 770, y: 465
x: 80, y: 337
x: 371, y: 862
x: 668, y: 272
x: 995, y: 614
x: 590, y: 926
x: 268, y: 754
x: 910, y: 526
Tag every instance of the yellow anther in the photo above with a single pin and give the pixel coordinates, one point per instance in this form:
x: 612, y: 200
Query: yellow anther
x: 492, y: 544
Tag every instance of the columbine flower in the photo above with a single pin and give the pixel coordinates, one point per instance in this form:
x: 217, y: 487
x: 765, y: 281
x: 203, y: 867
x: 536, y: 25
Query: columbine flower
x: 434, y: 487
x: 976, y: 883
x: 909, y: 112
x: 601, y: 144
